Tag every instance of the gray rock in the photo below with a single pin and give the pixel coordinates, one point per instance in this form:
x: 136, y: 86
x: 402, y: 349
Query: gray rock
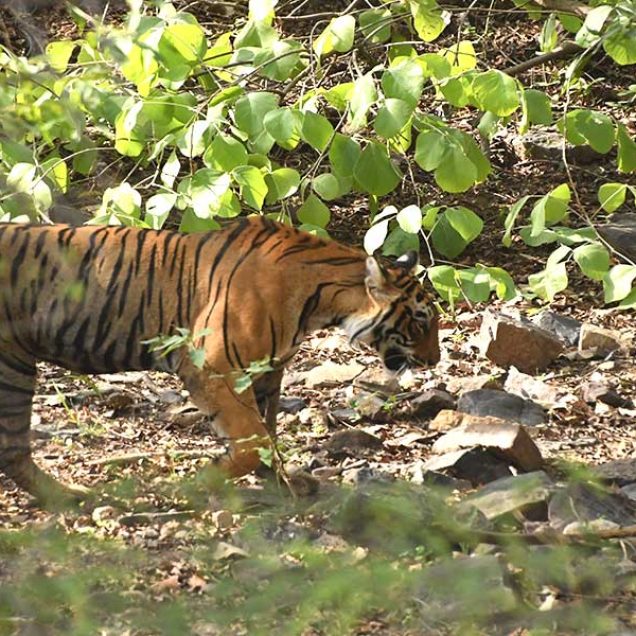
x: 487, y: 402
x: 565, y: 328
x: 593, y: 392
x: 580, y: 503
x: 509, y: 494
x: 291, y: 405
x: 477, y: 465
x: 620, y: 234
x: 617, y: 471
x: 429, y: 403
x: 353, y: 441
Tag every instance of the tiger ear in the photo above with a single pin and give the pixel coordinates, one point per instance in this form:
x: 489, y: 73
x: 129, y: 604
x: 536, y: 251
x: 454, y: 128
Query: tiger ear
x: 409, y: 261
x: 376, y: 280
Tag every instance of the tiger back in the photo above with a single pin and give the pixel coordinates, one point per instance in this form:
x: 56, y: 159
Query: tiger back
x: 91, y: 298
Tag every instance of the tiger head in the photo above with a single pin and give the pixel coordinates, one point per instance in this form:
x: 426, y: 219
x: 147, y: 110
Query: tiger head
x: 401, y: 321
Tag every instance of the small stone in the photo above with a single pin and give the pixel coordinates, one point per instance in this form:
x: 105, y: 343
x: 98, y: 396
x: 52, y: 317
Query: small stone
x: 445, y: 420
x: 508, y: 440
x: 331, y: 373
x: 345, y: 415
x: 601, y: 341
x: 592, y: 392
x: 511, y: 493
x: 364, y: 475
x: 103, y: 514
x: 437, y: 479
x: 508, y: 341
x: 430, y: 402
x: 473, y: 382
x: 500, y: 404
x: 291, y: 405
x: 477, y: 465
x: 618, y: 471
x: 353, y: 441
x: 372, y: 406
x: 565, y: 328
x: 170, y: 396
x: 529, y: 388
x: 222, y: 519
x: 377, y: 380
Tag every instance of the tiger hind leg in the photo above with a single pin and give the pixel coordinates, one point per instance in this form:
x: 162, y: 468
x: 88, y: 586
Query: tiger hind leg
x: 17, y: 384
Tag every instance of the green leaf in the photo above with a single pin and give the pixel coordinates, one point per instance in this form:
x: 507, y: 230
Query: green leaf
x: 170, y: 170
x: 457, y: 173
x: 431, y: 148
x: 339, y: 96
x: 626, y: 150
x: 475, y: 284
x: 549, y: 282
x: 392, y: 117
x: 252, y: 185
x: 220, y: 53
x: 193, y: 140
x: 343, y: 155
x: 556, y: 206
x: 281, y: 183
x: 501, y: 282
x: 617, y: 283
x: 612, y: 196
x: 495, y: 91
x: 59, y: 53
x: 584, y: 126
x: 375, y: 25
x: 374, y: 170
x: 251, y: 109
x: 454, y: 230
x: 434, y: 65
x: 314, y: 212
x: 404, y: 80
x: 621, y: 45
x: 284, y: 125
x: 225, y: 153
x: 399, y: 242
x: 593, y: 259
x: 537, y: 107
x: 362, y: 98
x: 375, y: 235
x: 511, y: 219
x: 55, y: 170
x: 444, y: 279
x: 186, y: 39
x: 461, y: 57
x: 570, y: 22
x: 316, y: 130
x: 191, y: 223
x: 158, y: 208
x: 279, y: 60
x: 338, y: 36
x: 410, y: 219
x: 428, y: 19
x: 207, y: 187
x: 122, y: 201
x: 549, y: 37
x: 326, y: 186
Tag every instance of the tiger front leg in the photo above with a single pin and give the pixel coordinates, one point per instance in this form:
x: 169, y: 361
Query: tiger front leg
x: 236, y: 418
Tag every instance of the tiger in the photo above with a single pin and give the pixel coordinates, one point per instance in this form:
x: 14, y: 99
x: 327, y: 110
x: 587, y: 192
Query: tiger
x: 91, y: 299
